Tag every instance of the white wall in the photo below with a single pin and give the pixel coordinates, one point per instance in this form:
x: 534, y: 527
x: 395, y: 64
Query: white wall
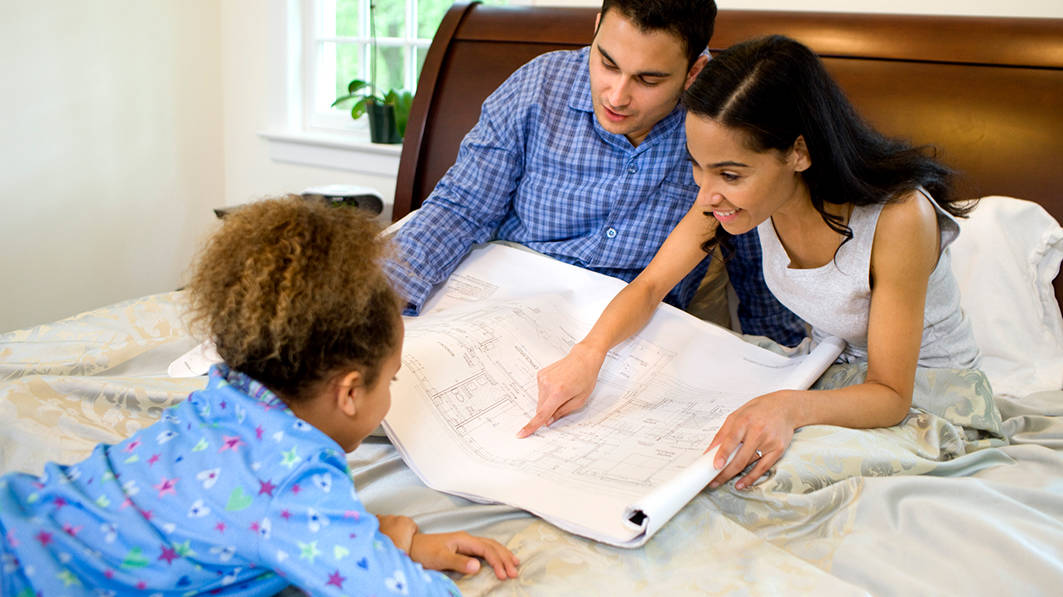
x: 110, y: 148
x: 254, y: 41
x: 126, y: 121
x: 1022, y: 8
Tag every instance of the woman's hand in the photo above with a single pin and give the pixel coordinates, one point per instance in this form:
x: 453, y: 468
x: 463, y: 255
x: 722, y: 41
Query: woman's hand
x: 565, y: 386
x: 451, y: 551
x: 760, y: 431
x: 400, y: 529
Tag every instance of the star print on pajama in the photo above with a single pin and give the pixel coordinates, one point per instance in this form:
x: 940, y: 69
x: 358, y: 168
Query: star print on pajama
x: 229, y: 491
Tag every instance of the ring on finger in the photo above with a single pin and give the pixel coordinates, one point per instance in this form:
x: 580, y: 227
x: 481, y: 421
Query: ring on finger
x: 759, y: 454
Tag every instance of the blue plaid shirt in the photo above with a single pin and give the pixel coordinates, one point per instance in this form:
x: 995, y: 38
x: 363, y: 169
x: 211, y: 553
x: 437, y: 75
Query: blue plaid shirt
x: 539, y: 169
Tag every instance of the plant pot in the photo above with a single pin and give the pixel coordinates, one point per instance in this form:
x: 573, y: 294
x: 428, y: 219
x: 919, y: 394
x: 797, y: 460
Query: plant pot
x: 382, y: 127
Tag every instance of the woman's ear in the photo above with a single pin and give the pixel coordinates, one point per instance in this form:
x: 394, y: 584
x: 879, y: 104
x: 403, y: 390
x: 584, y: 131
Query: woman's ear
x: 799, y: 155
x: 346, y: 392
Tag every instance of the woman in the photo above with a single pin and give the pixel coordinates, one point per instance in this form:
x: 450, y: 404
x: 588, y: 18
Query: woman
x: 854, y: 229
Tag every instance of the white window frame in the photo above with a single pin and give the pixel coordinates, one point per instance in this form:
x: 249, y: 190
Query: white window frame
x: 320, y: 90
x: 300, y: 131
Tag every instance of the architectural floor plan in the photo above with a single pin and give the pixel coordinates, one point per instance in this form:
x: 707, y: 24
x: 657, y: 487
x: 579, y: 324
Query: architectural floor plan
x: 468, y: 384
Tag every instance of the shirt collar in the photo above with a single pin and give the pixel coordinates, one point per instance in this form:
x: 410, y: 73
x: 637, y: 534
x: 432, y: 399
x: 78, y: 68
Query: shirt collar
x: 580, y: 97
x: 222, y: 375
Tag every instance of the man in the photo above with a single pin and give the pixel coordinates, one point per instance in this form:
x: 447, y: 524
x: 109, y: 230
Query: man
x: 581, y: 155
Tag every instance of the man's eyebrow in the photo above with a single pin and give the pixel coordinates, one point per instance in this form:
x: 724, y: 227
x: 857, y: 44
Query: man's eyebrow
x: 639, y: 74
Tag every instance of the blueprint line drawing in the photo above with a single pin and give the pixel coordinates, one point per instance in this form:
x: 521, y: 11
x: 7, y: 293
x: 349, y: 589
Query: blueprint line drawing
x: 468, y: 384
x: 641, y: 426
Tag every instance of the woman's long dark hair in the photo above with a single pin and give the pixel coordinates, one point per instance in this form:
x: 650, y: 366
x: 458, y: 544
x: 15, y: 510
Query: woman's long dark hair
x: 774, y: 89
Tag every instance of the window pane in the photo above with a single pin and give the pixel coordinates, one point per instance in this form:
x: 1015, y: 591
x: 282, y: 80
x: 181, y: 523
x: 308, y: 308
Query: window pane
x: 421, y: 53
x: 390, y: 65
x: 348, y: 18
x: 429, y: 14
x: 389, y: 18
x: 348, y: 66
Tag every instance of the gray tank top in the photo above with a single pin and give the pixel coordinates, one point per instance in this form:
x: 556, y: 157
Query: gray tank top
x: 835, y: 299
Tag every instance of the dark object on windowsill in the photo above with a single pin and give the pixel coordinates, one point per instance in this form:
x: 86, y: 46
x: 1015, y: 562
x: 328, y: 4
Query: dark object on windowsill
x: 350, y: 195
x: 383, y: 127
x: 337, y: 194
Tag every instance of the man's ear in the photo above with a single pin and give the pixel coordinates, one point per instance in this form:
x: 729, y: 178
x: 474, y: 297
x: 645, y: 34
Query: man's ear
x: 799, y: 155
x: 695, y: 69
x: 346, y: 392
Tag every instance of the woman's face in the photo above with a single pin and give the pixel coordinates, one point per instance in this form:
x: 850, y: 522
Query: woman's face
x: 740, y: 186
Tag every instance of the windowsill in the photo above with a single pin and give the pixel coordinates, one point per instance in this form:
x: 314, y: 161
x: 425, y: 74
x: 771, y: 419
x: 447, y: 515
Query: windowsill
x: 336, y: 150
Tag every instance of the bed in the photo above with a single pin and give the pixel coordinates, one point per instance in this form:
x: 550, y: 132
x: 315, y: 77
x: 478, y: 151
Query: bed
x: 928, y: 507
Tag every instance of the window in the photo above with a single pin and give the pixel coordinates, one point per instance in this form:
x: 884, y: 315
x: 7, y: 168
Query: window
x: 339, y: 49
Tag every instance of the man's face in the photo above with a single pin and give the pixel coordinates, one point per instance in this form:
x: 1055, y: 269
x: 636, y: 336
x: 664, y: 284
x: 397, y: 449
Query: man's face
x: 636, y: 76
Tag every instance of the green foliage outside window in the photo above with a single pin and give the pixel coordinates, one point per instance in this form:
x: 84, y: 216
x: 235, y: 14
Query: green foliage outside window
x: 389, y: 17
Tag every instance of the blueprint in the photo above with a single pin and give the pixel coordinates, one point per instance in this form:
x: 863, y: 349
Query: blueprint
x: 480, y: 381
x: 468, y: 383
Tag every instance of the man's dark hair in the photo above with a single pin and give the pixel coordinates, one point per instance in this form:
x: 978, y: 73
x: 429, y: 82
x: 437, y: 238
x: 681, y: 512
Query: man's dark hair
x: 690, y: 20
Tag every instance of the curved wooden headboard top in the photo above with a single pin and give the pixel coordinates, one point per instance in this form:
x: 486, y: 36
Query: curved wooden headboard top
x: 988, y: 92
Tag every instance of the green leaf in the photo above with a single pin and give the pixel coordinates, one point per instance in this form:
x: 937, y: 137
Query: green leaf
x: 355, y: 85
x: 344, y: 98
x: 358, y: 109
x: 404, y: 101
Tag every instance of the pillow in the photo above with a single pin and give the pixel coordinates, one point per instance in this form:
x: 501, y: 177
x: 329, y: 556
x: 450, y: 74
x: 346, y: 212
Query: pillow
x: 1005, y: 258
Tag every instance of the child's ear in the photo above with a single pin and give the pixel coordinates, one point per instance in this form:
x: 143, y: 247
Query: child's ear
x: 346, y: 391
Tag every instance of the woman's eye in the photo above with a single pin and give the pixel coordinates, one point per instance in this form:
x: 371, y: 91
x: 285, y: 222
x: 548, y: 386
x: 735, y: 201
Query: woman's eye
x: 729, y: 176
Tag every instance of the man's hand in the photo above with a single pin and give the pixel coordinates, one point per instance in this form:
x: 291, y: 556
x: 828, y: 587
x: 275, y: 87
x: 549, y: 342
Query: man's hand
x: 565, y: 386
x: 400, y: 529
x: 451, y: 551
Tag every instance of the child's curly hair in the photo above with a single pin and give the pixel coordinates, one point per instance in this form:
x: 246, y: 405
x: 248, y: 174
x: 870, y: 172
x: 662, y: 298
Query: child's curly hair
x: 291, y: 292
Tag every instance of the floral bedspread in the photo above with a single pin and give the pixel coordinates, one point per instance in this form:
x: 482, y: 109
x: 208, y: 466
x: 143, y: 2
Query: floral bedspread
x: 964, y: 497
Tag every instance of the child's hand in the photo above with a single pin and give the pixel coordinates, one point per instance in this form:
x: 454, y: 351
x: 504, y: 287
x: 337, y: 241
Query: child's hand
x: 450, y: 551
x: 400, y: 529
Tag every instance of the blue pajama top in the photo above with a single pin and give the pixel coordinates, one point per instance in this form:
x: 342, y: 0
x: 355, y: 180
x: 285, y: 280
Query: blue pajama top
x: 229, y: 493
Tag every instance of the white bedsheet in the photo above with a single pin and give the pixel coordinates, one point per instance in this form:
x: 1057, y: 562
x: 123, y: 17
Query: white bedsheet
x: 928, y: 507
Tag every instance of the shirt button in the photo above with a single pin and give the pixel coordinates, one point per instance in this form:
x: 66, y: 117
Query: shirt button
x: 610, y: 232
x: 632, y: 169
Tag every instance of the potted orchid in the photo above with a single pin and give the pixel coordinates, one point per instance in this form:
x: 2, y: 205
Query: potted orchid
x: 388, y: 111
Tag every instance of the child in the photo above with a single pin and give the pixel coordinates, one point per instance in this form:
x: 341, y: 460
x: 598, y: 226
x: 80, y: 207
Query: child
x: 243, y: 488
x: 854, y: 229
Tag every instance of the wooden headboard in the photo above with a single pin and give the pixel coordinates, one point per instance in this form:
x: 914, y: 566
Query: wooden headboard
x: 988, y: 92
